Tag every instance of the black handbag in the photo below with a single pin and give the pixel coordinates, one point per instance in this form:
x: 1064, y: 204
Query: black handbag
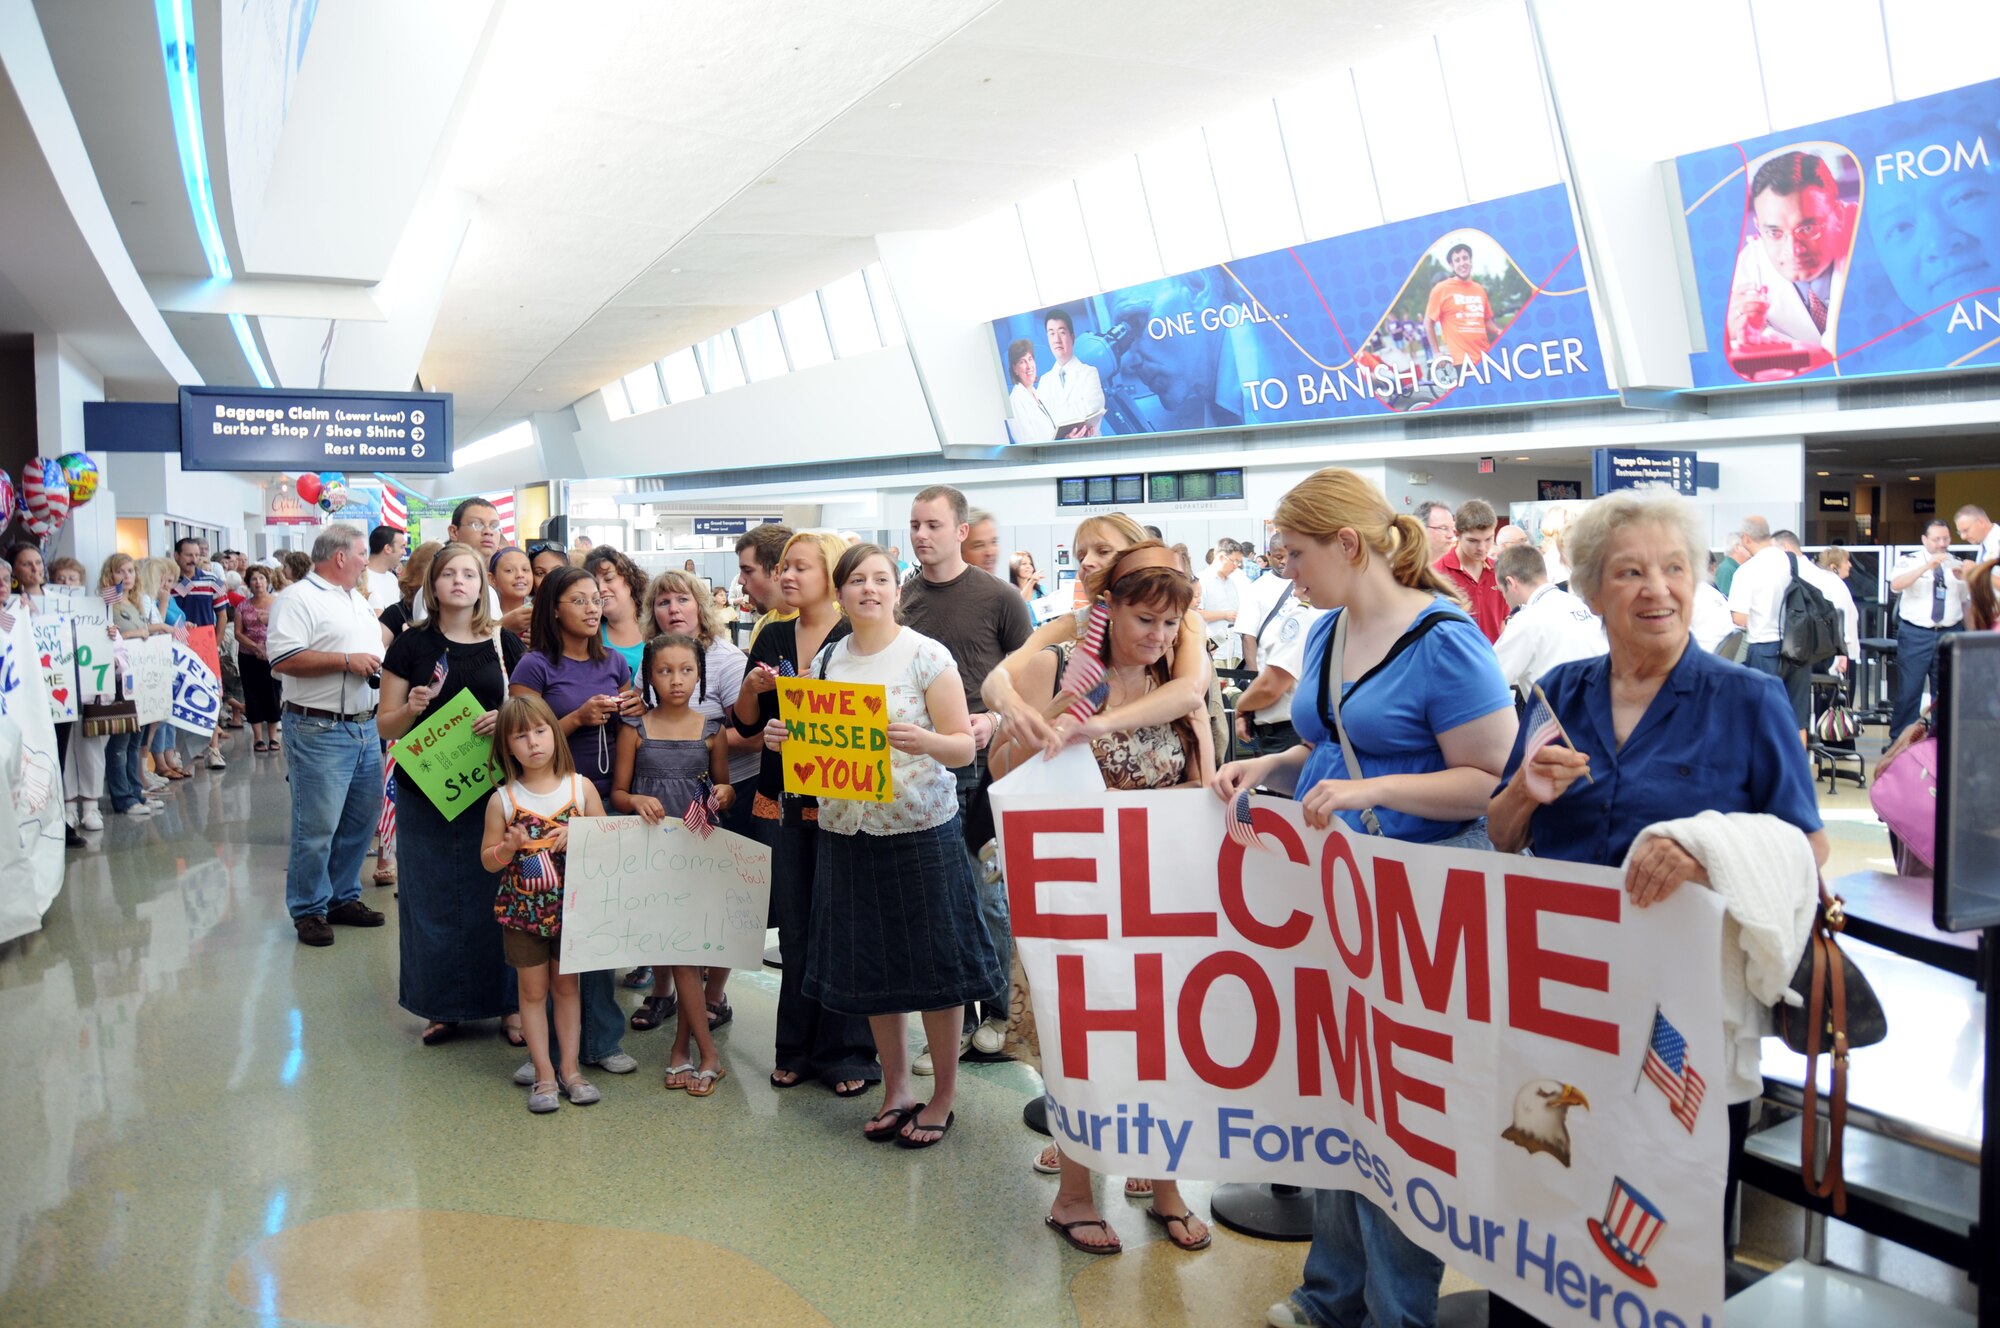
x: 1839, y: 1011
x: 104, y: 718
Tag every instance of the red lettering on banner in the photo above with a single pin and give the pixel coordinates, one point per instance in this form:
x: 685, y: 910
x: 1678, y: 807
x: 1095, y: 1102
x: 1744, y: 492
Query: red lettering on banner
x: 1529, y: 965
x: 1360, y: 962
x: 1264, y: 1035
x: 1313, y: 996
x: 1461, y: 927
x: 1146, y: 1021
x: 1135, y: 887
x: 1235, y: 907
x: 1025, y: 871
x: 1398, y: 1086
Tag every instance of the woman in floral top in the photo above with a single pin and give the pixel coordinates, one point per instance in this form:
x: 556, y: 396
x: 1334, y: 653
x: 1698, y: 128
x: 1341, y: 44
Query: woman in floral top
x: 895, y: 917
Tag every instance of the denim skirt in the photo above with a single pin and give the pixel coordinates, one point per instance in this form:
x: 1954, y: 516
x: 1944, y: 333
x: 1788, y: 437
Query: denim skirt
x: 896, y: 926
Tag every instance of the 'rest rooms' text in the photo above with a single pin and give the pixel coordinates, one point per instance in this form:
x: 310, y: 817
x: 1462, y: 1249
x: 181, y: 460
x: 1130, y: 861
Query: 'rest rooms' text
x: 1326, y: 1032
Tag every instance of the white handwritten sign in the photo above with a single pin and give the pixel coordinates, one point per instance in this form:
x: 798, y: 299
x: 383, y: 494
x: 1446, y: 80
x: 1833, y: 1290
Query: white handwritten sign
x: 96, y: 661
x: 85, y: 606
x: 153, y: 678
x: 55, y: 652
x: 660, y: 894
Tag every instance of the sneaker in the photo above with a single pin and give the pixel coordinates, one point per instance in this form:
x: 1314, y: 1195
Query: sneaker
x: 215, y: 761
x: 1284, y: 1314
x: 525, y: 1076
x: 579, y: 1090
x: 156, y: 804
x: 616, y: 1063
x: 990, y: 1036
x: 543, y: 1097
x: 313, y: 930
x: 153, y: 783
x: 138, y: 811
x: 354, y: 913
x: 924, y: 1065
x: 92, y: 819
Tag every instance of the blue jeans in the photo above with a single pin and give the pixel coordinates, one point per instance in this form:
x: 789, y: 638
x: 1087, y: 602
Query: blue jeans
x: 992, y: 897
x: 1362, y: 1270
x: 603, y: 1016
x: 123, y: 753
x: 1916, y: 664
x: 335, y: 769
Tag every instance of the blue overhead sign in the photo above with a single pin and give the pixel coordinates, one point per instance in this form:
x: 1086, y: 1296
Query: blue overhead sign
x: 1629, y: 467
x: 235, y: 428
x: 730, y: 525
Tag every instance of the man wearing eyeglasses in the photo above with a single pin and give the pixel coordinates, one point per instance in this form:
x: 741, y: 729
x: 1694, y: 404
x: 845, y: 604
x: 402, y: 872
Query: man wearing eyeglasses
x: 1790, y: 272
x: 476, y: 522
x: 1439, y: 526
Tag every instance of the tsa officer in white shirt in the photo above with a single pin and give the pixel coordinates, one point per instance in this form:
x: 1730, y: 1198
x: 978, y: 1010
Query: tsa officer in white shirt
x: 1070, y: 389
x: 1975, y: 527
x: 1551, y: 626
x: 1930, y: 595
x: 1264, y: 710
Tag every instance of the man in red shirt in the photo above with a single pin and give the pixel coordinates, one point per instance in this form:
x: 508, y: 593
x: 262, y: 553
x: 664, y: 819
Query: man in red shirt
x: 1468, y: 565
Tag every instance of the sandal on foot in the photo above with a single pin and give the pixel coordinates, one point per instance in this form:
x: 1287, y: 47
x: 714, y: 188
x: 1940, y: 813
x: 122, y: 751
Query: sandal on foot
x: 1167, y: 1220
x: 903, y: 1140
x: 652, y: 1012
x: 438, y: 1032
x: 702, y: 1082
x: 639, y: 979
x: 1138, y: 1187
x: 1049, y: 1161
x: 886, y: 1125
x: 1067, y: 1230
x: 684, y: 1068
x: 792, y: 1082
x: 719, y: 1013
x: 856, y: 1087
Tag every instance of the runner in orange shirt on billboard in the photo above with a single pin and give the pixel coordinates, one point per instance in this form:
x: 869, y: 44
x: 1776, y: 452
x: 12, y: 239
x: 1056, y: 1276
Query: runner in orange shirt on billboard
x: 1461, y: 311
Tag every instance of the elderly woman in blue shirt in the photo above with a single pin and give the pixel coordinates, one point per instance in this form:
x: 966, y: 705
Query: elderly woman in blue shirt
x: 1663, y: 728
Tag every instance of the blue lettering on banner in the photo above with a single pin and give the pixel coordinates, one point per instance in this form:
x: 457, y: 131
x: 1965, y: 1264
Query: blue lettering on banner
x: 298, y: 429
x: 197, y: 698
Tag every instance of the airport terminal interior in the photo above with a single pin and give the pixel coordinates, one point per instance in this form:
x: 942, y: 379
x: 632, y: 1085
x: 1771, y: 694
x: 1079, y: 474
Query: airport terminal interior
x: 500, y: 494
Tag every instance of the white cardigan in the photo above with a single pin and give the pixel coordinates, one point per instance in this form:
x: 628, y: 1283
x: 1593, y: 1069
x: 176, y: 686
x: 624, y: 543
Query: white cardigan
x: 1765, y: 872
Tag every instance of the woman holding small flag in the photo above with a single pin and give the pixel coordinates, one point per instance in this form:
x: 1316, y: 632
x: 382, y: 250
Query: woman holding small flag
x: 1404, y: 721
x: 453, y: 968
x: 1654, y: 732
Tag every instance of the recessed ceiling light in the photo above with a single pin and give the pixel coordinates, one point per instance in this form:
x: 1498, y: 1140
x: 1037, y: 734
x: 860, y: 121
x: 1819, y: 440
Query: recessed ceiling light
x: 674, y: 270
x: 1523, y: 458
x: 1916, y: 477
x: 895, y: 106
x: 1822, y: 473
x: 1869, y: 476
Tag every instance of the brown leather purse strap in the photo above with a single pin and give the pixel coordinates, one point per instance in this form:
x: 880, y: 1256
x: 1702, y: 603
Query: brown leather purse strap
x: 1826, y: 1025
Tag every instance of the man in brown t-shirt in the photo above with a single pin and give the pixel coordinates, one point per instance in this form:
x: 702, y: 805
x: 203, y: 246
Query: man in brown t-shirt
x: 981, y: 620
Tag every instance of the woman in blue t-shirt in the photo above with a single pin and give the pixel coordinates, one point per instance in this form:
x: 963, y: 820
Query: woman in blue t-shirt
x: 1430, y: 721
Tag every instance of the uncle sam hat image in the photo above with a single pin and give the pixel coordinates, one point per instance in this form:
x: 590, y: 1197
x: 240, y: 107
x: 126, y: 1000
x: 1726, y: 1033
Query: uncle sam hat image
x: 1631, y: 1224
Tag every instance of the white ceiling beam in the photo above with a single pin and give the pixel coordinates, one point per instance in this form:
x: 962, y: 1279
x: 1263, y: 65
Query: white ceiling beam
x: 261, y: 297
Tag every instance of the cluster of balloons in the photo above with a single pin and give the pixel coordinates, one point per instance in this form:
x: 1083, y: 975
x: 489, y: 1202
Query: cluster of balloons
x: 51, y: 487
x: 328, y: 489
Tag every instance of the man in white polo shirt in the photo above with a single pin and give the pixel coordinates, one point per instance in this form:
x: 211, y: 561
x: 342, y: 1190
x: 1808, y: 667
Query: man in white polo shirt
x: 1757, y: 603
x: 326, y: 648
x: 1264, y: 710
x: 1551, y: 626
x: 1975, y: 527
x: 1931, y: 594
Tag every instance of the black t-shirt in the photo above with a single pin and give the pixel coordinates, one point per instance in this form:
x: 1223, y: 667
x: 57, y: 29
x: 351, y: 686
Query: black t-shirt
x: 473, y: 666
x: 978, y: 617
x: 779, y: 641
x: 396, y: 618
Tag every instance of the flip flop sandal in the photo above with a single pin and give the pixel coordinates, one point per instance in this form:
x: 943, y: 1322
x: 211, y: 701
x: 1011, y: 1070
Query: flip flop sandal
x: 638, y: 979
x: 1045, y: 1165
x: 860, y: 1086
x: 702, y: 1083
x: 719, y: 1013
x: 905, y: 1141
x: 685, y: 1067
x: 438, y: 1034
x: 1166, y: 1221
x: 513, y: 1037
x: 877, y: 1133
x: 1133, y: 1192
x: 793, y: 1082
x: 652, y: 1012
x: 1067, y: 1230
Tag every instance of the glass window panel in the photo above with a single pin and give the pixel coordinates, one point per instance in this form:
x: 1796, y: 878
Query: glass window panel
x: 1058, y: 244
x: 683, y: 375
x: 1121, y: 230
x: 1410, y: 136
x: 804, y: 327
x: 1328, y: 154
x: 1248, y: 158
x: 615, y: 404
x: 998, y: 278
x: 1850, y: 74
x: 1937, y: 45
x: 1180, y: 190
x: 763, y: 353
x: 719, y: 363
x: 887, y: 320
x: 1505, y: 139
x: 849, y: 318
x: 642, y: 388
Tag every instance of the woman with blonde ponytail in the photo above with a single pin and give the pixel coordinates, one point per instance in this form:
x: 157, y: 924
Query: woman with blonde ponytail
x: 1410, y: 679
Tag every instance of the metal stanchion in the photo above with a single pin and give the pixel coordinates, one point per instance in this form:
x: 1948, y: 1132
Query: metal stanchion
x: 1036, y: 1114
x: 1269, y: 1212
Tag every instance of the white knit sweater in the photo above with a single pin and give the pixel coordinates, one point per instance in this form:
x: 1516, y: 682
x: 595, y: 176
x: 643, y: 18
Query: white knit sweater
x: 1764, y: 870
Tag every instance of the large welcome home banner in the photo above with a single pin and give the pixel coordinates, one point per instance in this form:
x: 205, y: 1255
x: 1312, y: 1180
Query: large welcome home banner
x: 1499, y: 1051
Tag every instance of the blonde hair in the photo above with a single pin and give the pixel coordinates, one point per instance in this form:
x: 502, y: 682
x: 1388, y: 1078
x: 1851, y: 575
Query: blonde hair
x: 1123, y: 529
x: 155, y: 575
x: 410, y: 582
x: 831, y: 548
x: 1835, y: 560
x: 676, y: 582
x: 482, y: 618
x: 1329, y: 501
x: 107, y: 576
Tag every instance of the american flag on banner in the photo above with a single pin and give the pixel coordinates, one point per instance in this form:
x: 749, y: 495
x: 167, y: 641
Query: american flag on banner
x: 395, y: 512
x: 1240, y: 828
x: 1084, y: 681
x: 503, y: 503
x: 1666, y: 1065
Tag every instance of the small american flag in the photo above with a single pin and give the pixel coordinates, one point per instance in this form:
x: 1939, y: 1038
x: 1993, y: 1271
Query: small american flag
x: 1240, y: 828
x: 385, y: 824
x: 785, y: 669
x: 1666, y: 1065
x: 110, y: 595
x: 1084, y: 681
x: 181, y: 631
x: 538, y: 867
x: 1542, y: 728
x: 696, y: 817
x: 6, y: 620
x: 439, y: 674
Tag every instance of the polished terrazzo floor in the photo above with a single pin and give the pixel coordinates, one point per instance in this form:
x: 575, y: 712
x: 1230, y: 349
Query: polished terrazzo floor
x: 206, y: 1123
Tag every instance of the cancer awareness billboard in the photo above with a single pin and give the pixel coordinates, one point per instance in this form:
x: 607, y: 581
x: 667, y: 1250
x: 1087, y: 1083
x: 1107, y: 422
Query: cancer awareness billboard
x: 1479, y: 306
x: 1502, y: 1054
x: 1868, y: 244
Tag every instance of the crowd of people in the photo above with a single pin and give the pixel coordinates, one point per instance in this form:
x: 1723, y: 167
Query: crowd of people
x: 1387, y: 658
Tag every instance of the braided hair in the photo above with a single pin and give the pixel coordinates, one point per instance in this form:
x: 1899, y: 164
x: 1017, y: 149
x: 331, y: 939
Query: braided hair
x: 668, y: 641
